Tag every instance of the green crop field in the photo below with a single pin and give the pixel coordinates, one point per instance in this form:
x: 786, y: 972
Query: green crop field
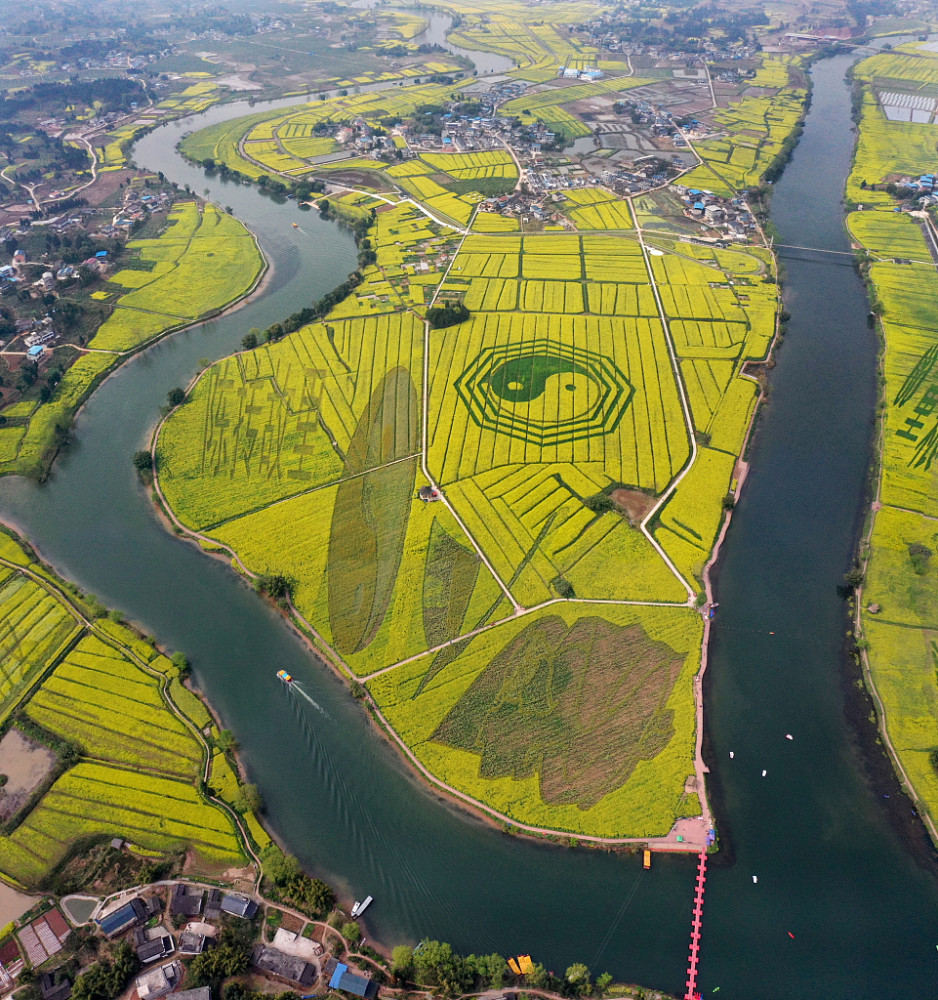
x: 900, y: 586
x: 82, y: 687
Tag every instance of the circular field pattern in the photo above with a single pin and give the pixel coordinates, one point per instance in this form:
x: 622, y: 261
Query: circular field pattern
x: 544, y: 392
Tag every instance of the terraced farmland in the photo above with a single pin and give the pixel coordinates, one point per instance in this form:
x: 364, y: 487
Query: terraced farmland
x: 101, y: 701
x: 35, y: 629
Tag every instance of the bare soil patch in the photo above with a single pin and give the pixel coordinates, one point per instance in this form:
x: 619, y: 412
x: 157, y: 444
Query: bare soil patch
x: 105, y: 185
x: 14, y: 904
x: 357, y: 178
x: 26, y: 765
x: 633, y: 504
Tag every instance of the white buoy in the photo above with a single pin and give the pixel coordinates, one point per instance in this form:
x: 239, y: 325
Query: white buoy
x: 788, y: 736
x: 764, y: 773
x: 731, y: 754
x: 755, y: 878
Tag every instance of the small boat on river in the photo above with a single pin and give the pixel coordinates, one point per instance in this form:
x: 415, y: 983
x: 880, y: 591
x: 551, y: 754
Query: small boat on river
x: 646, y: 859
x: 359, y: 908
x: 282, y: 675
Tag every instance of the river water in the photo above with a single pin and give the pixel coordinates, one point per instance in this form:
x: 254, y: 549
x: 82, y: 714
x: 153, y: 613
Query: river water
x: 831, y: 868
x: 435, y: 34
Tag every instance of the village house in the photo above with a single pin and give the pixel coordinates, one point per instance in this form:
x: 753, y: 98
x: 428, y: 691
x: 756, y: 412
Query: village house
x: 185, y: 902
x: 283, y: 967
x: 160, y: 981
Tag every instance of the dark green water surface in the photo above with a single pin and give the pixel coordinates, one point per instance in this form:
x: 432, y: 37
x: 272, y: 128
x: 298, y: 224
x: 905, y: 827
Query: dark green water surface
x: 831, y: 868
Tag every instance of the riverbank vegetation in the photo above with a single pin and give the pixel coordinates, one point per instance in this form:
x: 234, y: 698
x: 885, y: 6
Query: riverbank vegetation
x: 898, y: 612
x: 126, y: 754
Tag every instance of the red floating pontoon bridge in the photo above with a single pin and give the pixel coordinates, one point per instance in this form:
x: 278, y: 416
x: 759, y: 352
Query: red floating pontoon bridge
x: 692, y: 993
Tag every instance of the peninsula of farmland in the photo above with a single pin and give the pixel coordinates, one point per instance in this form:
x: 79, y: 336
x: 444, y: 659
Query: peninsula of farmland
x: 125, y: 748
x: 493, y: 473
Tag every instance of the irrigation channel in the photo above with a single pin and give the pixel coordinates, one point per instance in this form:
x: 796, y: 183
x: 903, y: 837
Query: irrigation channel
x: 833, y: 867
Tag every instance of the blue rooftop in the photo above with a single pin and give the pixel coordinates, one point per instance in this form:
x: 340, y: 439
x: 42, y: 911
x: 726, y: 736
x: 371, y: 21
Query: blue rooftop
x: 34, y: 352
x: 101, y: 253
x: 127, y: 914
x: 344, y: 980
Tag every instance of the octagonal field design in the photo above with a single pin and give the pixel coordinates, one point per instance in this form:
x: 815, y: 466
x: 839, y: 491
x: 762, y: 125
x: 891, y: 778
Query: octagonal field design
x: 544, y: 392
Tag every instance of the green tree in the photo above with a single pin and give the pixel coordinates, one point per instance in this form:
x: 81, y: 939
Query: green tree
x: 176, y: 396
x: 352, y: 932
x: 249, y: 340
x: 280, y: 868
x: 538, y: 977
x: 448, y: 314
x: 853, y: 578
x: 143, y: 460
x: 249, y: 799
x: 435, y: 964
x: 108, y: 978
x: 490, y: 970
x: 603, y: 983
x: 275, y: 585
x: 226, y: 740
x: 402, y: 961
x: 218, y: 963
x: 310, y: 894
x: 578, y: 976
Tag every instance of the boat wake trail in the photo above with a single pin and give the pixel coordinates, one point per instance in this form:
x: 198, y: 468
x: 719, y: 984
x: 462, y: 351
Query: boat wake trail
x: 607, y: 937
x: 356, y: 818
x: 297, y: 687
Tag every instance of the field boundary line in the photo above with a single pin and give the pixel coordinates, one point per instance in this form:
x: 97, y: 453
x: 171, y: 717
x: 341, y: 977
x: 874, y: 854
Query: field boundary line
x: 306, y: 492
x: 465, y: 637
x: 685, y: 409
x: 424, y: 431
